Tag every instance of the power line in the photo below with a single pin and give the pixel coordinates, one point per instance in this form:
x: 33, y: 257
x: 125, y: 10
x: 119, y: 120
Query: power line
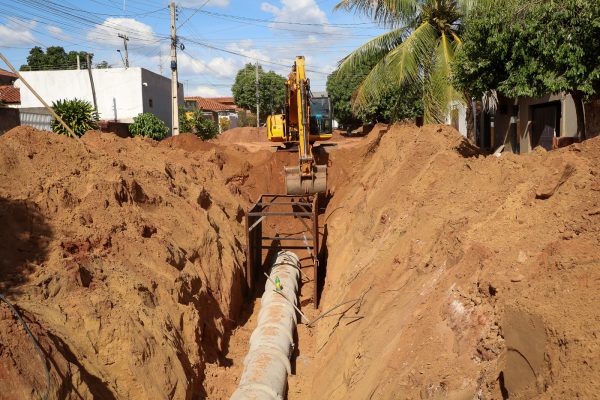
x: 271, y: 21
x: 195, y: 12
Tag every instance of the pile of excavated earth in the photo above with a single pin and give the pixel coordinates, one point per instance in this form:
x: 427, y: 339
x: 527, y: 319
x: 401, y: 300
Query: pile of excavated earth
x: 461, y: 275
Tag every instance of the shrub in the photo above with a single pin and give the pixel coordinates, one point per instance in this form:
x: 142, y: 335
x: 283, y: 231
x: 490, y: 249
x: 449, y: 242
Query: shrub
x: 185, y: 122
x: 78, y: 114
x: 224, y: 124
x: 148, y: 125
x: 204, y: 128
x: 246, y: 119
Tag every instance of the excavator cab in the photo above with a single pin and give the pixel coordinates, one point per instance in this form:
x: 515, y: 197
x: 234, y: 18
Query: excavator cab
x: 321, y: 119
x: 306, y: 120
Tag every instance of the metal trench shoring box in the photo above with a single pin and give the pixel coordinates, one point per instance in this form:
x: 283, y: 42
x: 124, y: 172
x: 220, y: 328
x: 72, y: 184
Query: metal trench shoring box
x: 302, y: 208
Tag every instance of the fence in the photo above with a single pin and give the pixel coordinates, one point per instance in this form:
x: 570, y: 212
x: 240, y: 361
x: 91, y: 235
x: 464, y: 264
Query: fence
x: 37, y: 119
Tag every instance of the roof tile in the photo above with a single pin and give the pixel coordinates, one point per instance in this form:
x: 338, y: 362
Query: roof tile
x: 4, y: 72
x: 209, y: 104
x: 10, y: 95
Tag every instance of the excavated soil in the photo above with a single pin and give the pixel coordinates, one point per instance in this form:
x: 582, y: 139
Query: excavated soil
x: 475, y: 277
x: 126, y: 258
x: 460, y: 275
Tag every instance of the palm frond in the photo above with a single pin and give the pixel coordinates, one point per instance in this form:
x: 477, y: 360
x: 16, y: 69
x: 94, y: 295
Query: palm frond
x: 372, y: 51
x: 439, y: 93
x: 401, y: 65
x: 388, y: 13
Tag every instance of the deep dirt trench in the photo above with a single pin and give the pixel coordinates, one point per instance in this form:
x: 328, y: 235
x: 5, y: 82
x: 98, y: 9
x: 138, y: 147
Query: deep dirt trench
x: 222, y: 380
x: 466, y: 276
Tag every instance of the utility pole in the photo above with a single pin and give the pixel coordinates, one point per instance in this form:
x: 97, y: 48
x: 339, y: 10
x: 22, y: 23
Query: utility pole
x: 257, y: 103
x: 125, y: 40
x: 160, y: 60
x: 78, y: 63
x: 89, y: 68
x: 174, y: 84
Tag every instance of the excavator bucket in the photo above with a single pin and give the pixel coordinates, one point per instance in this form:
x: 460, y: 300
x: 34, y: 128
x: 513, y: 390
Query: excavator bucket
x: 296, y: 184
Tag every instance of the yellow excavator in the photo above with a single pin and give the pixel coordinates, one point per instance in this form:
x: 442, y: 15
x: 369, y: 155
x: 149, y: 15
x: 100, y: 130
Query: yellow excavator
x: 306, y: 120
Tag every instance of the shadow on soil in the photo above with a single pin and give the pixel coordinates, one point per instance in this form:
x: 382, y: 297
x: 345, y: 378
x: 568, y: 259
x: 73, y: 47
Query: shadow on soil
x: 24, y: 239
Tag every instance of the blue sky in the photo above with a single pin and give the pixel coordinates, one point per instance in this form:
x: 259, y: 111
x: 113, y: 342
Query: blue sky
x: 219, y: 36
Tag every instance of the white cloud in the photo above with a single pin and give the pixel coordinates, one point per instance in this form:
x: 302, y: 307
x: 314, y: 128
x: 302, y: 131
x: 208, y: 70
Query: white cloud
x: 304, y: 11
x: 16, y: 32
x: 199, y: 3
x: 222, y: 67
x: 202, y: 91
x: 57, y: 32
x: 218, y: 67
x: 107, y: 32
x: 246, y: 47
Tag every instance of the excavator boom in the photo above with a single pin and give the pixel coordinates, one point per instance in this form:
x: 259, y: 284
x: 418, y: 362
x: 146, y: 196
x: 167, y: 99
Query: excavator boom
x: 302, y: 127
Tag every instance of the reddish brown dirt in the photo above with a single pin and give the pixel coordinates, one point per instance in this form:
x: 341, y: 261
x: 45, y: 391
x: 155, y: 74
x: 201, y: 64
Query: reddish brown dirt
x: 126, y: 259
x: 473, y: 277
x: 243, y: 135
x: 478, y: 277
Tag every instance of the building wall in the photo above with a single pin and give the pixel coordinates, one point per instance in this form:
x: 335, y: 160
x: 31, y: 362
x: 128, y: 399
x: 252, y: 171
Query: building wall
x: 118, y: 90
x: 568, y: 120
x: 156, y: 95
x: 592, y: 119
x: 461, y: 123
x: 513, y: 118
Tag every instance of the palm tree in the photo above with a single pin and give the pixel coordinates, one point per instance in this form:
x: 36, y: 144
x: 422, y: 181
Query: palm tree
x: 418, y: 49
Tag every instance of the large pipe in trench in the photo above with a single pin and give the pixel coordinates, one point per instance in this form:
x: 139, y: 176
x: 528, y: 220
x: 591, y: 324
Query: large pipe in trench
x: 267, y: 363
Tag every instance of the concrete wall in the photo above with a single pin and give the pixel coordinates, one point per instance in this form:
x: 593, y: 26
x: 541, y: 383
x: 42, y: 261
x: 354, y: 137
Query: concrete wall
x: 568, y: 119
x: 513, y: 128
x: 118, y: 90
x: 462, y: 117
x: 156, y: 95
x: 592, y: 119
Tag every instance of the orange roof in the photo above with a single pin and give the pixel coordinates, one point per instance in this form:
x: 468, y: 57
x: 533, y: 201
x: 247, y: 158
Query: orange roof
x: 209, y: 104
x: 4, y: 72
x: 224, y: 100
x: 10, y: 95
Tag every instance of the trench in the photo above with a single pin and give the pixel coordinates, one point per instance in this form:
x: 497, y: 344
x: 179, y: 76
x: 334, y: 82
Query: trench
x: 221, y: 379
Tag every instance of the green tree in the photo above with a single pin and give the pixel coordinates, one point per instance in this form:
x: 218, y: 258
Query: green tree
x: 54, y: 57
x: 103, y: 65
x: 419, y: 48
x: 271, y: 90
x: 395, y: 103
x: 533, y: 49
x: 79, y: 115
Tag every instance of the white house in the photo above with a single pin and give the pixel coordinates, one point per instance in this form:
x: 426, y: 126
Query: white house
x: 121, y: 93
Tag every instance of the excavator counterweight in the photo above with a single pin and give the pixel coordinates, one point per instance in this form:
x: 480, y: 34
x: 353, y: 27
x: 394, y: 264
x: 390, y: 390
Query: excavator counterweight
x: 306, y: 119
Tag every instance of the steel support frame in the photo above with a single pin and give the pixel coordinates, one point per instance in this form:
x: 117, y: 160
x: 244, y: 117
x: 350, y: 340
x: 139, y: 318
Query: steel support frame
x: 261, y: 210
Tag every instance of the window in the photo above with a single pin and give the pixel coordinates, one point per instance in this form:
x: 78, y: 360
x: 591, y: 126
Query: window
x: 150, y: 103
x: 320, y: 115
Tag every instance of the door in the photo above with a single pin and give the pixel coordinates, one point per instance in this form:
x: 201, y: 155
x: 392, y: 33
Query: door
x: 546, y: 124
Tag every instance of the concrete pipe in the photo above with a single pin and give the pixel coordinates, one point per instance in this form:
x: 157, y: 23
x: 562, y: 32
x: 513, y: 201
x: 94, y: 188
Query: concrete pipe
x: 267, y: 363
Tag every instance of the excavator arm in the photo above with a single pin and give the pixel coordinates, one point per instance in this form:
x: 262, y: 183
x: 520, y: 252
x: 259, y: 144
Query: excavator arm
x: 295, y: 127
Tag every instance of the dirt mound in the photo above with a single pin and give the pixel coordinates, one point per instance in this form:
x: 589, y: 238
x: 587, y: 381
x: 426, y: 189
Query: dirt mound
x: 243, y: 135
x: 125, y: 257
x: 187, y: 142
x: 477, y: 277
